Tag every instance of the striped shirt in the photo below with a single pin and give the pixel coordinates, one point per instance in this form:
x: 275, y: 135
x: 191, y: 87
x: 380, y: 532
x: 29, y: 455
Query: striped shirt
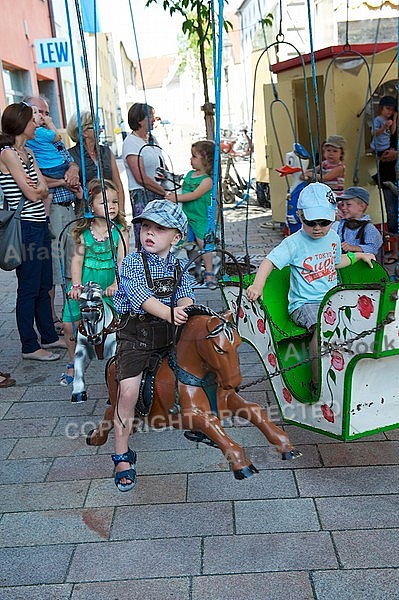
x: 133, y: 288
x: 337, y: 185
x: 32, y: 211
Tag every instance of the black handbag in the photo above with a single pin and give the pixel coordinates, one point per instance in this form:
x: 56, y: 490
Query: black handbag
x: 11, y: 248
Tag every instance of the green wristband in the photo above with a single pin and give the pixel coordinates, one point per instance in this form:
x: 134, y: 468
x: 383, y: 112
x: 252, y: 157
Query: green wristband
x: 351, y: 256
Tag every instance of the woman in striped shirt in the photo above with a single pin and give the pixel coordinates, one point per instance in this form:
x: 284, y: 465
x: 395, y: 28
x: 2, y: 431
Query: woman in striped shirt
x: 20, y: 175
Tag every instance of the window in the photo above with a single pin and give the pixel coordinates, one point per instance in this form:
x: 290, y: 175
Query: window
x: 14, y: 85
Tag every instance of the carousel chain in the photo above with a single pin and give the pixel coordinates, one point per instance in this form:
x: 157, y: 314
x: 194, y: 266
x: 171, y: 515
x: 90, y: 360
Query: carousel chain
x: 329, y: 348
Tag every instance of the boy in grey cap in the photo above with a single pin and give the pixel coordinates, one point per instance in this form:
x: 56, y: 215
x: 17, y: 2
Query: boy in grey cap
x: 144, y: 298
x: 355, y: 229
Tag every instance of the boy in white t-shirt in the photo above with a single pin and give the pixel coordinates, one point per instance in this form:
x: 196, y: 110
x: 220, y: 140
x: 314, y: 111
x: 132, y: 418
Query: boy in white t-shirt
x: 314, y: 254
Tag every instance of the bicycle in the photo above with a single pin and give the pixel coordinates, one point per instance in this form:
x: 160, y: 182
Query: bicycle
x: 234, y: 184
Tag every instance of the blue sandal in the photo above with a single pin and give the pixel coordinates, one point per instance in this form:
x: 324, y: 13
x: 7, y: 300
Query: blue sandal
x: 131, y: 457
x: 65, y: 378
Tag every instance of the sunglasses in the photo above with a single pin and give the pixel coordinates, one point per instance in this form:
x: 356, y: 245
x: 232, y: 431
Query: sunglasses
x: 321, y: 222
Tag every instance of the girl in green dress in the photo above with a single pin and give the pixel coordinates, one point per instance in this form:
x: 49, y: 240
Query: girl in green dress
x: 196, y: 198
x: 92, y: 259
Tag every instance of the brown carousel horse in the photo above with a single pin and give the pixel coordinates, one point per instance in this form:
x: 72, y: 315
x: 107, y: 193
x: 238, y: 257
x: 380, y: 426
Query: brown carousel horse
x: 195, y: 388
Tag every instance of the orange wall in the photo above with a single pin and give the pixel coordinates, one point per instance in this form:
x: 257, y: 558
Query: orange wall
x: 16, y: 49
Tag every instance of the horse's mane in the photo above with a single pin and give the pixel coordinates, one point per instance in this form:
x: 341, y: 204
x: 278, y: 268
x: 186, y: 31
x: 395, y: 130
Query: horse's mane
x: 195, y: 310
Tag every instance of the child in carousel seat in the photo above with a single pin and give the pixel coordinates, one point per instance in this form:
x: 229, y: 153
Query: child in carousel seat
x: 355, y: 229
x: 144, y: 298
x: 313, y: 254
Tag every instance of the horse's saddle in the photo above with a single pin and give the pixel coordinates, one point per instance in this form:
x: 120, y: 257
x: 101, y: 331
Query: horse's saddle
x: 146, y: 390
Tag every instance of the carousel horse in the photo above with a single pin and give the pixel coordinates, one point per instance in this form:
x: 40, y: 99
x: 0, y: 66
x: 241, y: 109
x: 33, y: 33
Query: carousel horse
x: 194, y: 388
x: 296, y: 163
x: 96, y: 336
x: 168, y: 180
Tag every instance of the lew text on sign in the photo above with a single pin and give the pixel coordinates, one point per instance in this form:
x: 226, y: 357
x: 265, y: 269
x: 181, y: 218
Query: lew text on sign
x: 52, y: 52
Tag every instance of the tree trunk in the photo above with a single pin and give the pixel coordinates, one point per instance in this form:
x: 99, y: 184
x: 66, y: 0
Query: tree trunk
x: 208, y: 107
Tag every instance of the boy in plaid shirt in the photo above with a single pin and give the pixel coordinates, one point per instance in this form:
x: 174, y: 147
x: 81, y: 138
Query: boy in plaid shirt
x: 144, y: 299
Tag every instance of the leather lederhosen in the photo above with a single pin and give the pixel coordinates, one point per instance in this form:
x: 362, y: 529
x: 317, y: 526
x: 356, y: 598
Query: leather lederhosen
x: 152, y: 332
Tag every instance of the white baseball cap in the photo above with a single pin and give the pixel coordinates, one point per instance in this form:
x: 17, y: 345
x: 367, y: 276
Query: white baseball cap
x: 317, y: 202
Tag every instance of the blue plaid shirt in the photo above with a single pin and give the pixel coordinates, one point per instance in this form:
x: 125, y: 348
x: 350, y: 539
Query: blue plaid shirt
x: 62, y: 194
x: 133, y: 288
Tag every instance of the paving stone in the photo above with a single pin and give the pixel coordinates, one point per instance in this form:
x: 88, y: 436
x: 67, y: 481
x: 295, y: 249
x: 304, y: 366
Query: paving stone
x: 300, y: 435
x: 20, y: 428
x: 267, y: 457
x: 248, y: 436
x: 182, y: 461
x: 134, y: 589
x: 160, y: 440
x: 49, y: 390
x: 364, y: 584
x: 34, y: 566
x: 268, y: 552
x: 4, y: 407
x: 368, y: 549
x: 18, y: 470
x: 150, y: 489
x: 79, y: 467
x: 362, y: 453
x: 6, y: 446
x: 75, y: 426
x: 253, y: 586
x: 142, y: 559
x: 42, y: 496
x: 48, y: 527
x: 173, y: 520
x: 37, y: 592
x: 51, y: 447
x: 29, y: 410
x: 359, y: 512
x: 273, y: 516
x: 222, y: 486
x: 351, y: 481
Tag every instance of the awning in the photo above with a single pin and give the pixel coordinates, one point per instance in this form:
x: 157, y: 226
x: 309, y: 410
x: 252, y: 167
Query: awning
x: 375, y: 4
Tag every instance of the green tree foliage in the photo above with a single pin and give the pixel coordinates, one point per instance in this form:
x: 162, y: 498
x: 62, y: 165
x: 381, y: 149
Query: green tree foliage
x: 197, y: 30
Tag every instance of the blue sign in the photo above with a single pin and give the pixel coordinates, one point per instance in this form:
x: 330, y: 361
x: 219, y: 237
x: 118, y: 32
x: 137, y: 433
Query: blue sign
x: 51, y: 53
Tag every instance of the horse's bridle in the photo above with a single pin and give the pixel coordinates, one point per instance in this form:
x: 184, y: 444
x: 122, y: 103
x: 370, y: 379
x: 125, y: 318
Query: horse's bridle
x: 92, y: 315
x: 94, y: 312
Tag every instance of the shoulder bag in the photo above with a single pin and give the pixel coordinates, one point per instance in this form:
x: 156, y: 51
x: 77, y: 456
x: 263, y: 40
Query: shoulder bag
x: 11, y: 248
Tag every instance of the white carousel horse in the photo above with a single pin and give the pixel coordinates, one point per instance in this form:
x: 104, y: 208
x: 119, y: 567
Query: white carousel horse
x: 96, y: 336
x: 168, y: 180
x: 358, y: 340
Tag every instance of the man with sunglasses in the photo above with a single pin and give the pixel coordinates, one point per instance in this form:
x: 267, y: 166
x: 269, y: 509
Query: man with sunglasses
x: 314, y: 254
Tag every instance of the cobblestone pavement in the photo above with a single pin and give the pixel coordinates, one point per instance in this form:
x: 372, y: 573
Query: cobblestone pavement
x: 324, y: 527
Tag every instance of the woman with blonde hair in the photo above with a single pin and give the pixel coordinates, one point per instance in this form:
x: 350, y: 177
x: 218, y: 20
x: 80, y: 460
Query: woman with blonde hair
x: 90, y: 158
